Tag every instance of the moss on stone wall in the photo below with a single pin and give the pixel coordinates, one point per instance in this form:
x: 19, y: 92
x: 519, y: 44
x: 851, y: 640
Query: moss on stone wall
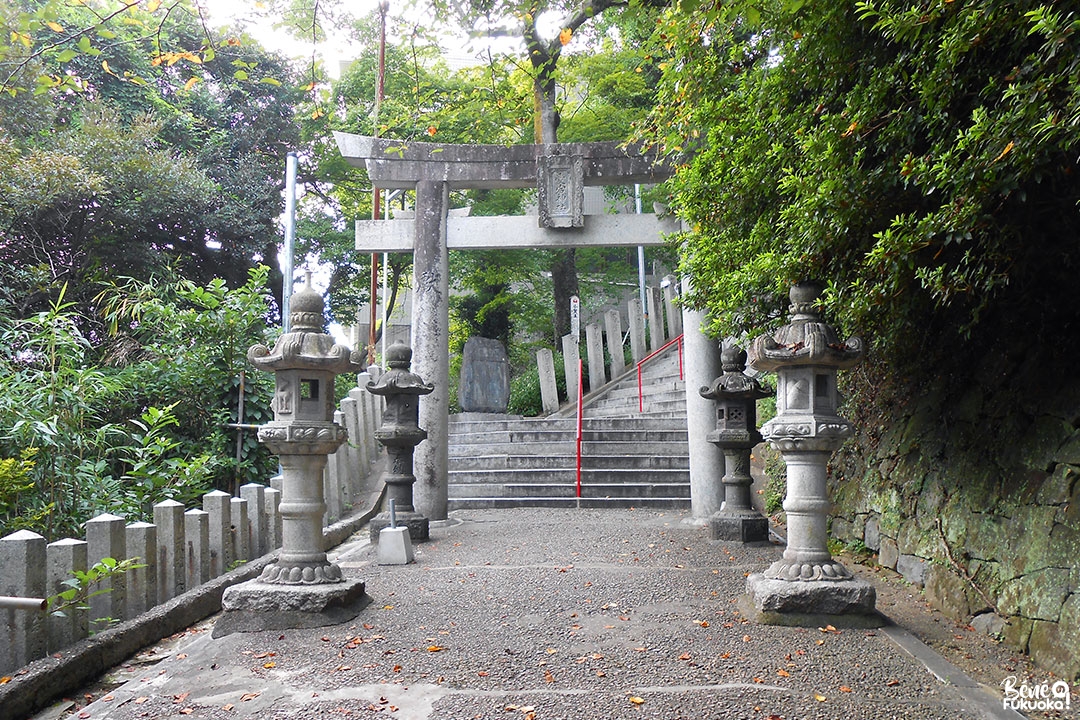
x: 969, y: 485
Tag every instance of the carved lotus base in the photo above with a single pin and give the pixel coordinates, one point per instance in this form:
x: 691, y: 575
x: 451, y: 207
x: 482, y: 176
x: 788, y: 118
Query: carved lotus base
x: 793, y: 570
x: 321, y: 574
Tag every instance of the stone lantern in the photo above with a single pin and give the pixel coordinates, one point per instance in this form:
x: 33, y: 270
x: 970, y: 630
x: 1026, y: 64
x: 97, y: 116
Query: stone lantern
x: 736, y: 433
x: 806, y: 354
x: 304, y: 361
x: 400, y: 434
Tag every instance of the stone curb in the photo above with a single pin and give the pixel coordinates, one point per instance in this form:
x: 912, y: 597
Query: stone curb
x: 44, y: 680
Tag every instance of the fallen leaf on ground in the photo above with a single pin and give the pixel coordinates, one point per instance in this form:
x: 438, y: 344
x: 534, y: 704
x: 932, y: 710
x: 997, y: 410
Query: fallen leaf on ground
x: 548, y: 677
x: 892, y: 683
x: 369, y: 626
x: 141, y: 700
x: 177, y: 699
x: 270, y: 665
x: 783, y: 673
x: 435, y: 648
x: 397, y: 668
x: 746, y: 638
x: 228, y: 707
x: 186, y: 711
x: 819, y: 697
x: 758, y: 680
x: 5, y: 680
x: 248, y: 696
x: 845, y: 689
x: 685, y: 656
x: 637, y: 700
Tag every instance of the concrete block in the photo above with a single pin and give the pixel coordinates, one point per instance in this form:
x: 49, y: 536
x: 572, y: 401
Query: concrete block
x: 594, y: 347
x: 571, y: 353
x: 395, y: 546
x: 614, y: 334
x: 549, y: 391
x: 171, y: 558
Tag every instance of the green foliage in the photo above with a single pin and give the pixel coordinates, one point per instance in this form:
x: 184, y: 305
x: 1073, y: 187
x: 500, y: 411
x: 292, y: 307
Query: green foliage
x: 148, y: 425
x: 153, y: 469
x: 16, y: 480
x: 916, y: 159
x: 145, y: 152
x: 525, y: 398
x: 776, y: 483
x: 187, y: 347
x: 83, y: 585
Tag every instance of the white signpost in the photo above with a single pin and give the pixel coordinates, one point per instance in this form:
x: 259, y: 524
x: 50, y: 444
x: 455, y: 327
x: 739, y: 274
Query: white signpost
x: 575, y: 317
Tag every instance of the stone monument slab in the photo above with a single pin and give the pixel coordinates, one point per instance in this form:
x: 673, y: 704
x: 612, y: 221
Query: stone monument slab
x: 485, y: 377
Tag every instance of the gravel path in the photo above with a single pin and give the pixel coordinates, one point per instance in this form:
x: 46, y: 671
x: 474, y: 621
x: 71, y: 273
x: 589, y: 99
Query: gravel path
x: 538, y: 613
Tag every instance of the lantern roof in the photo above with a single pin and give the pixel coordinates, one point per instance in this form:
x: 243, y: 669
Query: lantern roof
x: 734, y: 383
x: 807, y: 339
x: 398, y: 380
x: 306, y: 346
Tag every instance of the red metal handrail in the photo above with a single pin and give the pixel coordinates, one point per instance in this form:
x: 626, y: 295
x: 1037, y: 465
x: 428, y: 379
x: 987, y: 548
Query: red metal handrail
x: 580, y: 414
x: 650, y: 356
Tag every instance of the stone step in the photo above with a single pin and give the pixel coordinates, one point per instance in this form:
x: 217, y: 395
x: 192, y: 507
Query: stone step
x: 558, y: 462
x: 508, y: 423
x: 515, y: 437
x: 656, y: 503
x: 568, y: 447
x: 665, y: 387
x: 588, y: 489
x: 631, y: 406
x: 555, y: 476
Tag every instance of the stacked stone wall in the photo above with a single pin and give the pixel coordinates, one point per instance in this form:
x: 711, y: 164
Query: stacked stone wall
x: 969, y: 487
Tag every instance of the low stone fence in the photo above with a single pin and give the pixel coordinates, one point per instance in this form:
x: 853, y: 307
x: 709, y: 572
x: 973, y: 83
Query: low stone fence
x: 663, y: 320
x: 182, y: 549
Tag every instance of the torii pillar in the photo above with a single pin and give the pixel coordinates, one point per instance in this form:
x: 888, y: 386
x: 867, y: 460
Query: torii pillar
x: 558, y: 170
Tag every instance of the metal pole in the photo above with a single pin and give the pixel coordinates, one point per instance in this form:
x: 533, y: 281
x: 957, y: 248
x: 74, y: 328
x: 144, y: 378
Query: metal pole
x: 640, y: 256
x: 376, y: 209
x: 290, y: 238
x: 239, y: 436
x: 21, y: 603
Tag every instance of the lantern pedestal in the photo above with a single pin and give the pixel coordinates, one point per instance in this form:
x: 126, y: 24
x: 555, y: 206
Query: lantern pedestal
x: 807, y: 586
x: 302, y: 589
x: 736, y: 434
x: 400, y: 434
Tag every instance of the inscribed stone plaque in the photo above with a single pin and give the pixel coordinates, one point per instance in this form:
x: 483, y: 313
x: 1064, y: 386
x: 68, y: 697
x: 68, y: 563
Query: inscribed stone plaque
x: 485, y: 377
x: 561, y: 191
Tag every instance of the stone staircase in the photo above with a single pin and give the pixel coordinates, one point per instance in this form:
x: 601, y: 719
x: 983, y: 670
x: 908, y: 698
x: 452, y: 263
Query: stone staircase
x: 629, y: 458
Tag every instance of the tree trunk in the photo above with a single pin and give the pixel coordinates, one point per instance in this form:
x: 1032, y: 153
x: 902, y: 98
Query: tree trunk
x: 565, y: 285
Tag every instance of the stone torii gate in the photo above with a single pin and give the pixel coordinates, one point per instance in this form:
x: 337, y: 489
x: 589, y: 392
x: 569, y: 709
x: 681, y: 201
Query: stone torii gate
x: 559, y: 172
